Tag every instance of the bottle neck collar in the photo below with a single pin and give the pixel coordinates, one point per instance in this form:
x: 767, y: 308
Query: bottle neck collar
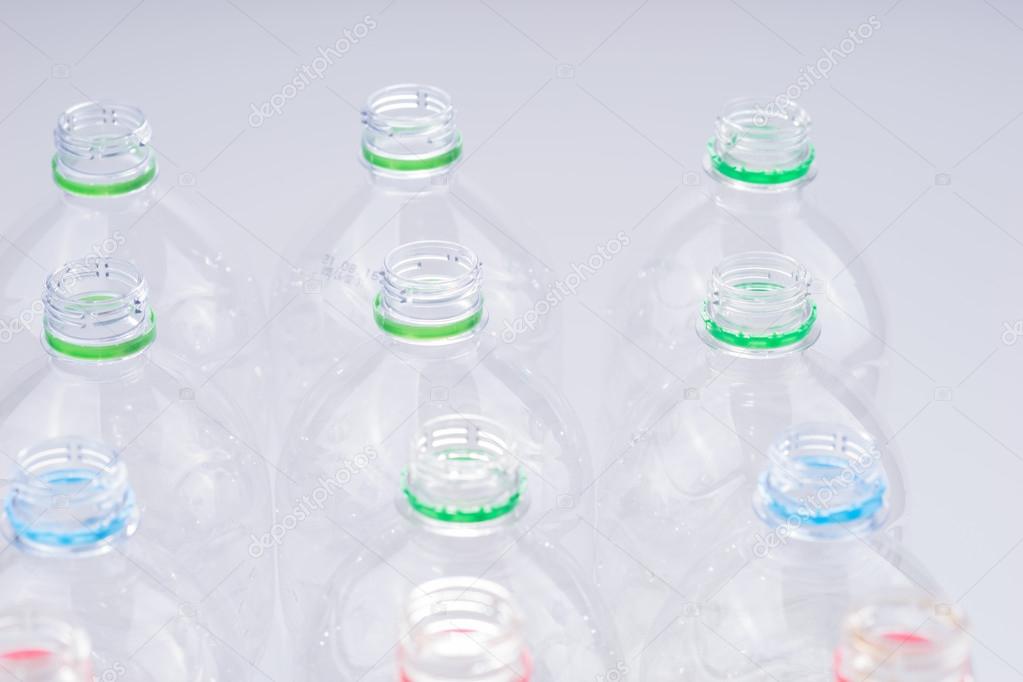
x: 464, y: 478
x: 39, y: 647
x: 409, y: 133
x: 823, y: 481
x: 462, y: 629
x: 761, y: 145
x: 758, y: 304
x: 904, y: 638
x: 102, y: 150
x: 97, y: 310
x: 430, y: 293
x: 70, y: 496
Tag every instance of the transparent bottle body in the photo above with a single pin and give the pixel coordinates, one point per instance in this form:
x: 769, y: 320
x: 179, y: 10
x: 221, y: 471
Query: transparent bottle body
x: 207, y: 299
x: 331, y: 288
x: 567, y: 632
x: 686, y: 466
x: 763, y: 605
x: 695, y: 233
x: 203, y: 493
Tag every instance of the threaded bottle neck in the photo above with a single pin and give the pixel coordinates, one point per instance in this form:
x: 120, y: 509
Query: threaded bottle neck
x: 70, y: 496
x: 759, y: 302
x: 462, y: 629
x: 463, y: 476
x: 823, y: 481
x: 904, y: 638
x: 102, y: 149
x: 97, y: 309
x: 409, y: 130
x: 38, y: 647
x: 430, y: 292
x: 762, y: 144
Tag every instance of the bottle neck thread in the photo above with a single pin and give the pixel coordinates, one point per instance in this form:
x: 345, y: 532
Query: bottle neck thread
x: 463, y: 474
x: 904, y: 638
x: 102, y: 149
x: 760, y: 302
x: 70, y: 496
x: 762, y: 144
x: 97, y: 309
x: 823, y: 481
x: 462, y: 629
x: 430, y: 292
x: 38, y: 647
x: 409, y: 130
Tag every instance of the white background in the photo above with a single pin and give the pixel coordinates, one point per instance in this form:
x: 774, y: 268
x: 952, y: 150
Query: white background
x: 584, y: 116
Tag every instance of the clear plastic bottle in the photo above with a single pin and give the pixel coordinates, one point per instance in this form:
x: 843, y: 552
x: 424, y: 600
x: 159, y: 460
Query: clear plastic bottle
x: 411, y: 148
x: 207, y: 488
x: 904, y: 637
x: 759, y: 161
x: 463, y: 512
x: 433, y: 354
x: 78, y: 540
x: 767, y: 601
x: 113, y: 204
x: 694, y: 442
x: 38, y: 646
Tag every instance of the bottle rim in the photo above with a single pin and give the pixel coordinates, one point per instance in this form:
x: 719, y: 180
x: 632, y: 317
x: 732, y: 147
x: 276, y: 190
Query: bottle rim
x: 759, y: 302
x: 97, y: 309
x: 87, y: 481
x: 410, y: 128
x: 762, y: 142
x: 102, y: 150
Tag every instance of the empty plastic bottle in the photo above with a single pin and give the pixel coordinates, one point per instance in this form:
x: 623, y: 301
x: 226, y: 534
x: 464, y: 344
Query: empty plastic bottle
x: 77, y: 539
x: 433, y: 354
x: 692, y: 442
x: 767, y: 602
x: 37, y: 646
x: 463, y: 501
x: 191, y: 457
x: 904, y: 637
x: 759, y: 161
x: 411, y: 147
x: 112, y: 204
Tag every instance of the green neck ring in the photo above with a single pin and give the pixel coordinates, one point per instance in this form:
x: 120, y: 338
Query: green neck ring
x: 405, y: 165
x: 424, y: 332
x: 112, y: 189
x: 760, y: 342
x: 768, y: 177
x: 113, y: 352
x: 449, y: 515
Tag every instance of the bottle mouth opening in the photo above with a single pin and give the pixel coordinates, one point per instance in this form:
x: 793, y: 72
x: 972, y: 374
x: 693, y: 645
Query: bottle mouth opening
x: 762, y: 141
x: 462, y: 628
x: 430, y: 290
x: 37, y: 647
x: 97, y: 309
x: 410, y: 128
x: 903, y: 635
x: 464, y: 471
x: 760, y: 301
x: 70, y: 494
x: 103, y: 149
x: 823, y: 480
